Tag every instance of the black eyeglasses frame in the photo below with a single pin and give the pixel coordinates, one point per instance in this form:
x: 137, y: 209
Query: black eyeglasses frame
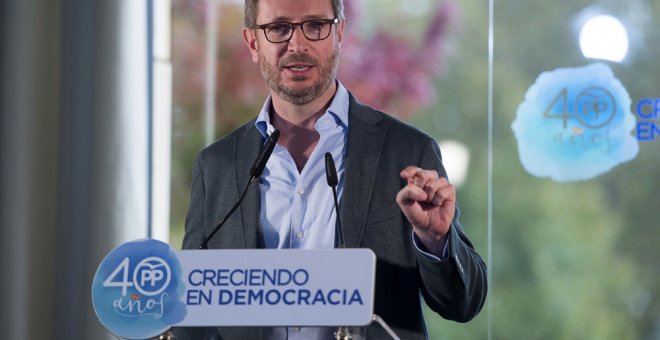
x: 293, y: 26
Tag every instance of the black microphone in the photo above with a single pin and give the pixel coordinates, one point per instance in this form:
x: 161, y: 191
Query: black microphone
x: 255, y: 172
x: 331, y: 176
x: 260, y: 162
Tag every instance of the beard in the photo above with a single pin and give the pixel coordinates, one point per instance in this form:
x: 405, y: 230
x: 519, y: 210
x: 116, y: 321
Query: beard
x: 294, y: 94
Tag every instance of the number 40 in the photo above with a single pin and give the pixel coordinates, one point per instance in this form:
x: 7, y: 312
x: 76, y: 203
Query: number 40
x: 124, y: 283
x: 565, y: 115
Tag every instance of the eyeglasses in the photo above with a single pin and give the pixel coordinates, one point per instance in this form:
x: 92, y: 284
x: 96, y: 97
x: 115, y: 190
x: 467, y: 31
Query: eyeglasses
x: 314, y: 30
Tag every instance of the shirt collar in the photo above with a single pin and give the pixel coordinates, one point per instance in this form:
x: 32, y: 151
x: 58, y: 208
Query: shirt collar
x: 338, y: 108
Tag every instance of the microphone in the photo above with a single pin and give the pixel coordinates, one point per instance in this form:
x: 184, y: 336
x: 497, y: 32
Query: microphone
x: 255, y: 172
x: 260, y: 162
x: 331, y: 176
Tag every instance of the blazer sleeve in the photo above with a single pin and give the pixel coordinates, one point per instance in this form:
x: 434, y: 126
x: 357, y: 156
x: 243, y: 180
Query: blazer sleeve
x: 455, y: 287
x: 195, y: 220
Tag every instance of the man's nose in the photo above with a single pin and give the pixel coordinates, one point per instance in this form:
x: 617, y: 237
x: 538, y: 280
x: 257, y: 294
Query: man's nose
x: 298, y: 42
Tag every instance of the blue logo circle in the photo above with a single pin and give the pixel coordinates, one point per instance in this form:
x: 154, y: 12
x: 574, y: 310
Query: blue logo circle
x: 137, y: 290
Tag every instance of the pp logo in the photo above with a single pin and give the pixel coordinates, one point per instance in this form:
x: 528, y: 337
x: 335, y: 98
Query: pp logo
x: 151, y: 276
x: 597, y: 107
x: 575, y: 124
x: 137, y: 288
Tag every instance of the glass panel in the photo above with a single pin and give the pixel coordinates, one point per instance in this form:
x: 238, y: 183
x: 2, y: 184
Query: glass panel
x: 459, y: 114
x: 574, y: 178
x: 237, y: 88
x: 423, y: 61
x: 575, y: 170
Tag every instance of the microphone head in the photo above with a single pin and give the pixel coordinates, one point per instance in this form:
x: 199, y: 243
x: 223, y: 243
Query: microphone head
x: 260, y: 162
x: 330, y: 170
x: 274, y: 136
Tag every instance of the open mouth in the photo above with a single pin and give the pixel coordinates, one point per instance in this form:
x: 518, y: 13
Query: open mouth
x: 298, y: 67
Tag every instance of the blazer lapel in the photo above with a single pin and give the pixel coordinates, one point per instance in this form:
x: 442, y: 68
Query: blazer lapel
x: 365, y: 142
x: 248, y: 147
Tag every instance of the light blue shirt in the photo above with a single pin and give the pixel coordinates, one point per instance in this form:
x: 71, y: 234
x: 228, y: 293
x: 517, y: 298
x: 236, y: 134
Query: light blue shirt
x: 297, y: 208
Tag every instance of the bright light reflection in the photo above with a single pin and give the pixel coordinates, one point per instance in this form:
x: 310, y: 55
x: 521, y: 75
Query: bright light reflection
x: 456, y: 159
x: 604, y: 37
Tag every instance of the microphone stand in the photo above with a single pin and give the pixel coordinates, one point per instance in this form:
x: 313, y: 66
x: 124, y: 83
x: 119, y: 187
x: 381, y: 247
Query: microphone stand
x: 255, y: 172
x: 333, y: 180
x: 343, y: 332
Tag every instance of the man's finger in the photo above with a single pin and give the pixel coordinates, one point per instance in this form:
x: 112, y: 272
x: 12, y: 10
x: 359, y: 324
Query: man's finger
x: 411, y: 193
x: 409, y: 172
x: 443, y: 195
x: 431, y: 187
x: 424, y: 176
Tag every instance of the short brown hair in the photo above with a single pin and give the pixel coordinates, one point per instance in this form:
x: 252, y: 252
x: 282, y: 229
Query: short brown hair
x: 252, y: 6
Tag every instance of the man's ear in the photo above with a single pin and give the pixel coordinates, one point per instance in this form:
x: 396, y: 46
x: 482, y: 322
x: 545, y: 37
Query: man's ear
x: 340, y: 32
x: 251, y: 41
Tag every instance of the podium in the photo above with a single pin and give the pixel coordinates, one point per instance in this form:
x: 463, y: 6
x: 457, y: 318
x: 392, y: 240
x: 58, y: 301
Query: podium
x: 143, y: 288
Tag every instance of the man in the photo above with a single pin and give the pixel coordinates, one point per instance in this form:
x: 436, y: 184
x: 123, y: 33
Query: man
x: 395, y: 198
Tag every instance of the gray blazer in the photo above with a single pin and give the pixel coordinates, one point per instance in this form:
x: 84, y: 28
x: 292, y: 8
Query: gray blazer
x: 379, y: 147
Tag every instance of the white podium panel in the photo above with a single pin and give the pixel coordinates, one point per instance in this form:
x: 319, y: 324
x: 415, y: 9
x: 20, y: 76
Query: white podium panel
x: 143, y: 288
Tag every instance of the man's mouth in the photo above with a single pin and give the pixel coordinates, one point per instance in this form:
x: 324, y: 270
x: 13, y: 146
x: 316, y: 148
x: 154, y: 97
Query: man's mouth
x: 298, y: 67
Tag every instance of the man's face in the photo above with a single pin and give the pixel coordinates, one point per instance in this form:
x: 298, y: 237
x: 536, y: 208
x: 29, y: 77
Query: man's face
x: 299, y: 70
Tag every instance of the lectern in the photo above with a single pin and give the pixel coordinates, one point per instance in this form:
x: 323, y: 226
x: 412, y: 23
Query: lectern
x: 143, y: 288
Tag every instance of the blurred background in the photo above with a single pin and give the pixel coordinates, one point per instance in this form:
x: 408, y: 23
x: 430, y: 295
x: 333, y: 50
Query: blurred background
x: 105, y: 104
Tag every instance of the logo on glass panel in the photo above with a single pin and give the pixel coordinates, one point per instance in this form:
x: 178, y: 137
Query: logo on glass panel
x: 575, y: 124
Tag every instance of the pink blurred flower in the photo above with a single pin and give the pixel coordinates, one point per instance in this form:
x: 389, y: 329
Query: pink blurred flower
x: 388, y: 72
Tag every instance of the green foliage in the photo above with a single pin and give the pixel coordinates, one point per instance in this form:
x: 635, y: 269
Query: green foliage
x: 572, y: 260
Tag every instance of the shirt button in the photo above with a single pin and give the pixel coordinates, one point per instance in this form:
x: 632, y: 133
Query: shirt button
x: 301, y: 190
x: 300, y: 234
